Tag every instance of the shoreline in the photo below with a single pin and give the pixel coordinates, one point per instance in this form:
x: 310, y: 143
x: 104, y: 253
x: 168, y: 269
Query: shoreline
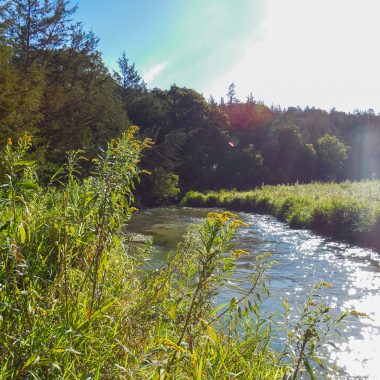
x: 345, y: 219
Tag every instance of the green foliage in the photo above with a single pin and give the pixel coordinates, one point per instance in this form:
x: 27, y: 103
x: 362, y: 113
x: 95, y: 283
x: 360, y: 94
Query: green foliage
x: 347, y: 210
x: 34, y: 27
x: 75, y: 302
x: 159, y: 187
x: 53, y: 84
x: 20, y: 97
x: 129, y: 80
x: 331, y: 154
x: 56, y: 247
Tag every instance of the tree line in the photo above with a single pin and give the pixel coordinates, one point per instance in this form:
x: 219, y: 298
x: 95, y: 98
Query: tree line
x: 55, y: 85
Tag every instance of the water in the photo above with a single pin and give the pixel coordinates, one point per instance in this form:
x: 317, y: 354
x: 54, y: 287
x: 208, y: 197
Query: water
x: 304, y: 259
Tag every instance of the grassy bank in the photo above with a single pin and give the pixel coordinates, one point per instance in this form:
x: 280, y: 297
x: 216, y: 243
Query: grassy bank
x: 76, y: 304
x: 349, y: 211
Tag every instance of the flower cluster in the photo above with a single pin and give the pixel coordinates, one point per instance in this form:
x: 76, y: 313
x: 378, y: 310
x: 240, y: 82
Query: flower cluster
x: 238, y: 252
x: 220, y: 218
x: 171, y: 344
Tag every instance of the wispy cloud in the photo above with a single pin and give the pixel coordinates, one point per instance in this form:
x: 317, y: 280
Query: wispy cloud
x: 154, y: 71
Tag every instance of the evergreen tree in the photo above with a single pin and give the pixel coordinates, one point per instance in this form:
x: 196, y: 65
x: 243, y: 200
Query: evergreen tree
x: 20, y: 96
x: 211, y: 101
x: 250, y: 99
x: 128, y: 78
x: 231, y: 95
x: 34, y: 27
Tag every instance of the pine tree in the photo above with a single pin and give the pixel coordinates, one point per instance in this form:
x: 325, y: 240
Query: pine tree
x: 250, y: 99
x: 34, y: 27
x: 20, y: 95
x: 231, y: 95
x: 128, y: 78
x: 211, y: 100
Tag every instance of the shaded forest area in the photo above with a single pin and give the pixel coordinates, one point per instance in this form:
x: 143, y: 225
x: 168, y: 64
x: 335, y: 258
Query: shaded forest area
x: 55, y: 85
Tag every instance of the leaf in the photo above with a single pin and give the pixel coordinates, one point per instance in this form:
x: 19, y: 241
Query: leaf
x: 44, y: 361
x: 218, y: 308
x: 59, y: 171
x: 173, y: 309
x: 211, y: 332
x: 73, y: 351
x: 58, y: 349
x: 97, y: 374
x: 89, y: 198
x: 97, y: 312
x: 199, y: 369
x: 116, y: 241
x: 24, y: 163
x: 22, y: 234
x: 103, y: 265
x: 27, y: 185
x: 33, y: 358
x: 342, y: 316
x: 334, y: 345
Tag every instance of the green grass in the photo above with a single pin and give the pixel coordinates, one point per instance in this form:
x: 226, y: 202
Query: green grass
x: 75, y: 302
x: 349, y: 211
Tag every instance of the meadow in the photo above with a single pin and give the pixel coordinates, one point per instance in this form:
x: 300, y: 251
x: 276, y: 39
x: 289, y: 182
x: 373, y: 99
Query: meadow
x: 75, y: 302
x: 349, y: 211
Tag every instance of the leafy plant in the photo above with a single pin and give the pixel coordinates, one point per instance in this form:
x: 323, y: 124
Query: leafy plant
x: 75, y: 302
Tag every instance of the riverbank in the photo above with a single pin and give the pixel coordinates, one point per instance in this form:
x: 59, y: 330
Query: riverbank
x: 349, y: 211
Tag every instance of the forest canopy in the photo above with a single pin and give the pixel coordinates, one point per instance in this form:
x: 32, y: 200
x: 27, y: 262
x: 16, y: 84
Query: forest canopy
x: 55, y: 85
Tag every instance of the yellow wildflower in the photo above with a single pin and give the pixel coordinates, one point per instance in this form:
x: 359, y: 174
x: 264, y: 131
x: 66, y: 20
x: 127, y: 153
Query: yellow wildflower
x: 238, y: 252
x: 220, y: 218
x: 9, y: 141
x: 25, y: 140
x: 169, y: 343
x: 28, y: 139
x: 237, y: 223
x: 131, y: 131
x: 356, y: 313
x: 193, y: 359
x: 215, y: 217
x: 229, y: 215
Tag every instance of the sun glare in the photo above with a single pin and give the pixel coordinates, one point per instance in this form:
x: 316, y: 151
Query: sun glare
x: 318, y: 53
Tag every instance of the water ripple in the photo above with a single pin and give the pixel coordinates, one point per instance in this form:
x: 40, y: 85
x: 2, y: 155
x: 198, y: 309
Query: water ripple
x: 304, y: 259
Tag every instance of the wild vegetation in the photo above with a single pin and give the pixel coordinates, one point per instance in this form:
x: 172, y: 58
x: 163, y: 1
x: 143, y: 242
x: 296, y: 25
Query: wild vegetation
x: 75, y: 302
x: 347, y: 210
x: 55, y: 85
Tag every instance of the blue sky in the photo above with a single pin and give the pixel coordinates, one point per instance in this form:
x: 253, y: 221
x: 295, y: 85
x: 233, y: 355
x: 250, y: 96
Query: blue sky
x: 320, y: 53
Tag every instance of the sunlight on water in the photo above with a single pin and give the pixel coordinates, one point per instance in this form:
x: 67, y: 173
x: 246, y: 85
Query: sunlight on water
x: 304, y: 259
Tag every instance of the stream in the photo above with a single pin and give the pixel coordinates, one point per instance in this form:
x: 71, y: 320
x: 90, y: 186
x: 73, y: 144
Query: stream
x: 304, y: 259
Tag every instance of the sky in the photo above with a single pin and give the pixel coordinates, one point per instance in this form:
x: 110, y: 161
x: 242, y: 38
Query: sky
x: 322, y: 53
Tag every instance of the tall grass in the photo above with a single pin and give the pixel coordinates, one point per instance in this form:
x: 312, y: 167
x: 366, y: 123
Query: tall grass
x: 348, y: 211
x: 75, y: 303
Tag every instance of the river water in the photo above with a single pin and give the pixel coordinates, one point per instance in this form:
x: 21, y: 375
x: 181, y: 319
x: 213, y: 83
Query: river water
x: 304, y: 259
